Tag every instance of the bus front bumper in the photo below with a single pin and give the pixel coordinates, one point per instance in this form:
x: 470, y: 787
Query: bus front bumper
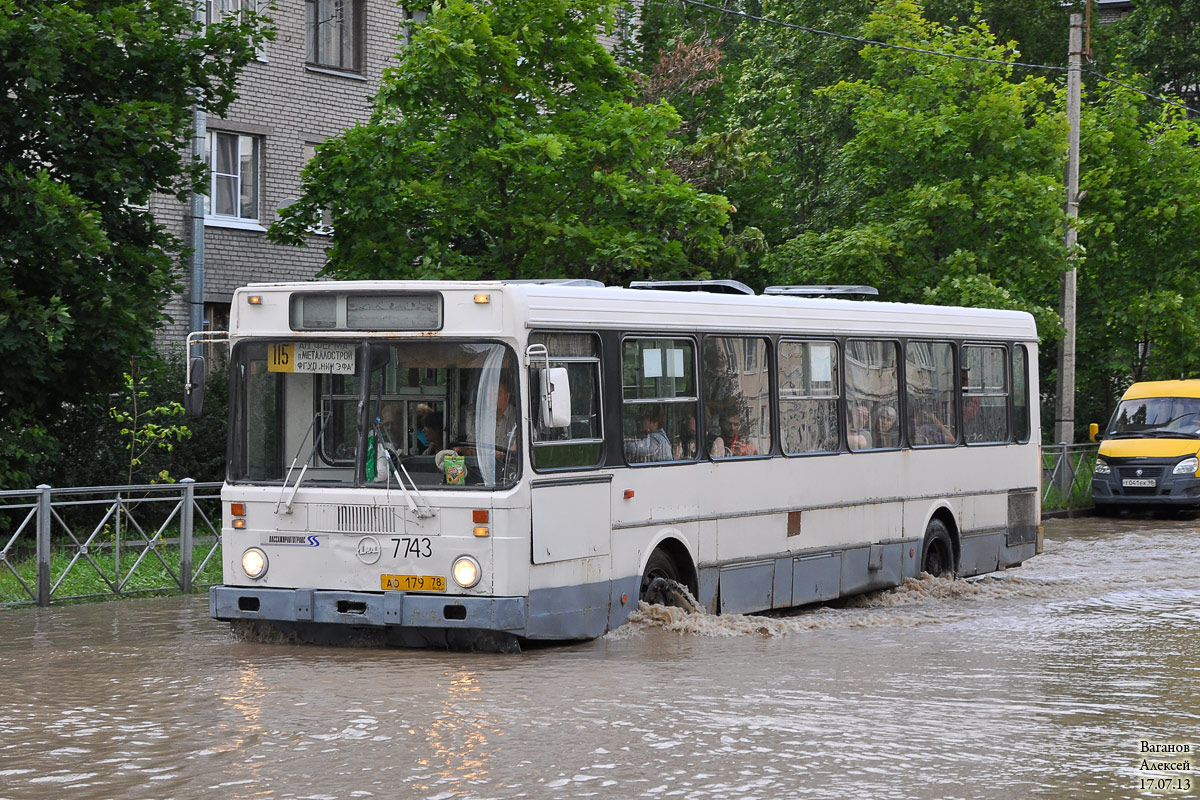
x: 368, y: 609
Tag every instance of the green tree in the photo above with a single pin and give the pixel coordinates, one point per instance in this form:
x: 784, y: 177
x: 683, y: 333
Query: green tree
x: 950, y: 189
x: 95, y: 112
x: 507, y: 142
x: 1158, y: 39
x: 1139, y: 301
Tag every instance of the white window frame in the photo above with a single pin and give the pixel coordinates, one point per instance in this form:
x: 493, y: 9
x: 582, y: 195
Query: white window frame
x: 237, y: 219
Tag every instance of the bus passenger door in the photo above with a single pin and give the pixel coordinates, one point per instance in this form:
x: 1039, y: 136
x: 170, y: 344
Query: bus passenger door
x: 571, y: 518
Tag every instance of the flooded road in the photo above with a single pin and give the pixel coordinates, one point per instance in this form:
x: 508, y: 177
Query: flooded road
x: 1039, y: 682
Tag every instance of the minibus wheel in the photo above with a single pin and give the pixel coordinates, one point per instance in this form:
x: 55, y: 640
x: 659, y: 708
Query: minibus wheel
x: 937, y: 554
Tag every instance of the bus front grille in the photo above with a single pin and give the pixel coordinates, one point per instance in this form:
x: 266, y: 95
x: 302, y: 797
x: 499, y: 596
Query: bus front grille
x: 353, y: 519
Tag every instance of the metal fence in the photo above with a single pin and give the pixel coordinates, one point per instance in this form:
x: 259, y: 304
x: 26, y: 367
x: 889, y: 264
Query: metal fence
x: 102, y: 541
x: 106, y: 541
x: 1067, y: 476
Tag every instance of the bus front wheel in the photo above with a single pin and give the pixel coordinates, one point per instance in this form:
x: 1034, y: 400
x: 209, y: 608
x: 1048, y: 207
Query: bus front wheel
x: 937, y: 554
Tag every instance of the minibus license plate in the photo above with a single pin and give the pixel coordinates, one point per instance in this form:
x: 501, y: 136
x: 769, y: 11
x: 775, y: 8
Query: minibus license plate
x: 1139, y: 482
x: 412, y: 583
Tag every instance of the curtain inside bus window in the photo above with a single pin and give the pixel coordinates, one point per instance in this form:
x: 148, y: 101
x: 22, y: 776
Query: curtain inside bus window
x: 1020, y: 372
x: 985, y: 394
x: 261, y: 413
x: 872, y: 393
x: 581, y: 443
x: 737, y: 396
x: 658, y: 415
x: 809, y: 391
x: 930, y: 383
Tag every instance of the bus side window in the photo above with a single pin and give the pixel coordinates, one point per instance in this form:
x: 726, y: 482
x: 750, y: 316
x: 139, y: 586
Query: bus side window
x: 737, y: 396
x: 809, y: 380
x: 985, y: 394
x: 1020, y: 373
x: 659, y: 399
x: 581, y: 443
x: 930, y: 382
x: 871, y: 380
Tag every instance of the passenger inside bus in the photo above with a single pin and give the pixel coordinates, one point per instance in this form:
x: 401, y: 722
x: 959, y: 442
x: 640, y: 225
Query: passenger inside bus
x: 687, y: 446
x: 733, y: 437
x: 886, y: 432
x: 391, y: 418
x: 654, y: 444
x: 927, y: 429
x: 431, y: 429
x: 858, y: 435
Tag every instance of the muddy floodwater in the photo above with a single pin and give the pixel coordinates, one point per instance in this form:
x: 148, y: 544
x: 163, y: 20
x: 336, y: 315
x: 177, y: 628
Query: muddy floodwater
x: 1044, y: 681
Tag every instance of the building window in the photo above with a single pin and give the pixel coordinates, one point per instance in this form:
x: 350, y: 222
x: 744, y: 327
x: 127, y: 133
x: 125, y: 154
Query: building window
x: 334, y: 33
x: 220, y: 9
x: 234, y: 167
x: 412, y: 18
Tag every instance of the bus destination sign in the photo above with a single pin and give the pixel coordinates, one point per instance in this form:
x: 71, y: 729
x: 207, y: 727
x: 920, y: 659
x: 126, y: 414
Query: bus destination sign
x: 311, y: 357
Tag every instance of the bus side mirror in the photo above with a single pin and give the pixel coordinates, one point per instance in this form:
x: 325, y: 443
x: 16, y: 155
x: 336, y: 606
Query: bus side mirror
x: 1093, y: 431
x: 193, y: 389
x: 556, y: 398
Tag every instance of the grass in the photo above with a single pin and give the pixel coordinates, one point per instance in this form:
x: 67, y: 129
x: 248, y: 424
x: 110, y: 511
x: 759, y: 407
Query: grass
x: 84, y: 581
x: 1079, y: 494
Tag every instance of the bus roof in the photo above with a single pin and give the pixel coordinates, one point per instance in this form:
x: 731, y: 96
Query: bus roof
x: 583, y: 305
x: 1186, y: 388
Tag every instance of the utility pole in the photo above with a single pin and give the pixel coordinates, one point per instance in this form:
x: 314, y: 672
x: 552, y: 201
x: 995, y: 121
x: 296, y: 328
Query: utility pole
x: 196, y: 261
x: 1064, y: 423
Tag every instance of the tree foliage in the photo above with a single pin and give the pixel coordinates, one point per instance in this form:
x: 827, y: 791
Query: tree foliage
x: 95, y: 110
x: 1157, y: 39
x: 507, y: 142
x: 1139, y: 301
x: 950, y: 188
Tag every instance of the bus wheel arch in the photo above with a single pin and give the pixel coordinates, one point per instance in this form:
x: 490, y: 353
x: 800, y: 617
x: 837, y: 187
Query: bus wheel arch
x: 940, y: 550
x: 668, y: 559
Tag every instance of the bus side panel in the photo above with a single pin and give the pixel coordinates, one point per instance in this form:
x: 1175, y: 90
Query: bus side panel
x: 816, y: 578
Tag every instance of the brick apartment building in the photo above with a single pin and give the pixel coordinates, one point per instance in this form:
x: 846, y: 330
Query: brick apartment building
x: 316, y: 79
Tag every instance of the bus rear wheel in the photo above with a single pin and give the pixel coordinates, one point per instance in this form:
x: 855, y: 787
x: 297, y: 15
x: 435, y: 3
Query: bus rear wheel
x: 937, y: 554
x: 660, y: 581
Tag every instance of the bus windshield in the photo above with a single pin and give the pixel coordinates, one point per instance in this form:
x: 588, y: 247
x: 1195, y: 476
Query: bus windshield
x: 375, y: 413
x: 1177, y: 417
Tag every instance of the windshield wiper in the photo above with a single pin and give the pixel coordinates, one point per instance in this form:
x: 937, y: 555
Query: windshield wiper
x: 321, y: 417
x: 422, y: 511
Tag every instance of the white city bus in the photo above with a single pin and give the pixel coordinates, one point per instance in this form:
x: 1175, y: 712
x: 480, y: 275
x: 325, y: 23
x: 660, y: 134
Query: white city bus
x: 448, y: 462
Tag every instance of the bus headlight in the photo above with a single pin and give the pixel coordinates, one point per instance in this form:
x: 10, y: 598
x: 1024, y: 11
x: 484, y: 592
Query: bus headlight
x: 1186, y: 467
x: 466, y: 571
x: 1102, y: 467
x: 254, y: 563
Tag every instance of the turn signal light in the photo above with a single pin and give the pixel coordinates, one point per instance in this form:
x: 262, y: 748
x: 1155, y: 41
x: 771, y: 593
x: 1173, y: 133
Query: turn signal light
x: 254, y: 299
x: 239, y: 524
x: 480, y: 531
x: 237, y: 509
x: 483, y: 299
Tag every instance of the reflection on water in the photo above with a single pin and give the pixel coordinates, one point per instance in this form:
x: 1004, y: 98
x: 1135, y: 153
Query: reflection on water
x: 1037, y: 682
